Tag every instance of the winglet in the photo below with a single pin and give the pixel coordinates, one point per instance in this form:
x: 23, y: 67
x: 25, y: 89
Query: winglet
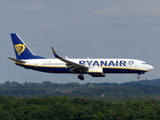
x: 55, y: 53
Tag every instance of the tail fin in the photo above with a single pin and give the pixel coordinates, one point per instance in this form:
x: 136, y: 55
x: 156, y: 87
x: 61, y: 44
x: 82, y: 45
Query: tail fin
x: 22, y: 51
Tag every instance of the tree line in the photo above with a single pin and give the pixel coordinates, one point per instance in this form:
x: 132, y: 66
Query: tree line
x: 65, y: 108
x: 74, y: 101
x: 109, y: 91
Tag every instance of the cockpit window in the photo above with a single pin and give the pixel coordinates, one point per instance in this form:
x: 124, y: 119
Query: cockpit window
x: 145, y: 63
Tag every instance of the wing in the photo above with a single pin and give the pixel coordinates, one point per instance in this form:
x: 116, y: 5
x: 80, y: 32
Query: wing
x: 74, y: 67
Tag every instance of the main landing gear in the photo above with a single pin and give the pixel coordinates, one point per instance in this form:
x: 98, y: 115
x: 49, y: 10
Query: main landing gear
x: 81, y: 77
x: 138, y: 77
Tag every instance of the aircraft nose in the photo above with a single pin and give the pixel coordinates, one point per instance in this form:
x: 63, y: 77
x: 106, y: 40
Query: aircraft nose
x: 150, y: 67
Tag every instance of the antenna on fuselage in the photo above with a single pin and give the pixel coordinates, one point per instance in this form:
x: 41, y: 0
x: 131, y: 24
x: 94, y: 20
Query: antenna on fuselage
x: 66, y: 57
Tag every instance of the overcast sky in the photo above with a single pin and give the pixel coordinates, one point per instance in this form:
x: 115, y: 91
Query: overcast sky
x: 80, y: 29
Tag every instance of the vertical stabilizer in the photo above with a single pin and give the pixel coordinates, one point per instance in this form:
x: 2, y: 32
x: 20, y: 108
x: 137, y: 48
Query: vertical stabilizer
x: 22, y: 51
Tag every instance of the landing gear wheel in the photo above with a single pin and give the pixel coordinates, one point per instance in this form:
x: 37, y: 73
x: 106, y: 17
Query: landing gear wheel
x: 80, y: 77
x: 138, y: 77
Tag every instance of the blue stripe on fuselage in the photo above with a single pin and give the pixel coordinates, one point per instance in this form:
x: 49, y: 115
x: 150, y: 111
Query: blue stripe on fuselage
x: 122, y: 70
x: 53, y: 69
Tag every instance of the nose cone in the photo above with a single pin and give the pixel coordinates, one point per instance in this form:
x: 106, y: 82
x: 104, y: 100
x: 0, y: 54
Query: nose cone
x: 150, y: 67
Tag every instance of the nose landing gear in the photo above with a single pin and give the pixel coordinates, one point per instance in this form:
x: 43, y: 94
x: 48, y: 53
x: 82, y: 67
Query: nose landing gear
x: 138, y: 77
x: 81, y: 77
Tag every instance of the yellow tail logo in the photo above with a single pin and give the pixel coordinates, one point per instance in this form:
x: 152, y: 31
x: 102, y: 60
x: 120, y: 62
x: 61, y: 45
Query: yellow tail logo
x: 19, y: 48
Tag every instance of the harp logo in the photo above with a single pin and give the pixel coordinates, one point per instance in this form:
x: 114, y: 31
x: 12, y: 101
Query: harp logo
x: 19, y: 48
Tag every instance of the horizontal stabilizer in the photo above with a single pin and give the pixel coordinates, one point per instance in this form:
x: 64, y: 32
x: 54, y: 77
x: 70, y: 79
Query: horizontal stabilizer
x: 16, y: 60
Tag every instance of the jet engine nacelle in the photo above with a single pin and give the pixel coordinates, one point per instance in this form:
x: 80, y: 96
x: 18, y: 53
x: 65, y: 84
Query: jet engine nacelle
x: 96, y: 72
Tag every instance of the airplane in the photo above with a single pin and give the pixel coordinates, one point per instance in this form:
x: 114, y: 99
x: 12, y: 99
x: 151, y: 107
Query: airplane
x: 94, y: 67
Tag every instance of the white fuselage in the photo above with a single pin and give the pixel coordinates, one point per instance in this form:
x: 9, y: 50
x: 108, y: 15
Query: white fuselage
x: 108, y: 65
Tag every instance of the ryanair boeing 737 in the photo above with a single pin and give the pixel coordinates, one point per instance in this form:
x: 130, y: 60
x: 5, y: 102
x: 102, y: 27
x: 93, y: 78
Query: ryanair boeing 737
x: 94, y: 67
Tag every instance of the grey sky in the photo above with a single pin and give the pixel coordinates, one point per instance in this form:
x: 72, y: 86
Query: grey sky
x: 80, y: 29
